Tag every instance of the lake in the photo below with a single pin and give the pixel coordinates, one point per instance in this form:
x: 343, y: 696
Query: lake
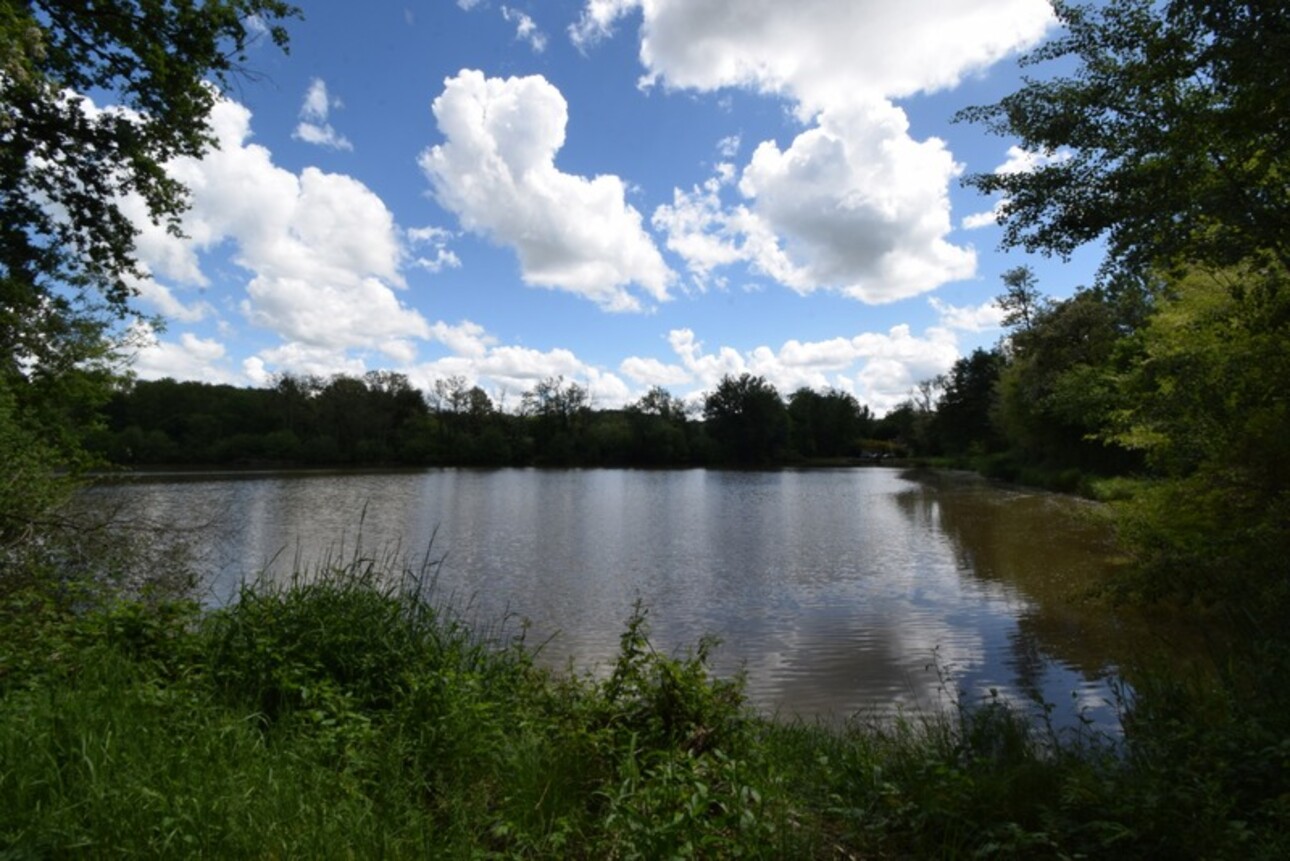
x: 837, y: 591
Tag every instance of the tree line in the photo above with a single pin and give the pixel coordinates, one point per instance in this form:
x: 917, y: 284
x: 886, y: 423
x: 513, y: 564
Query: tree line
x: 1048, y: 402
x: 380, y: 418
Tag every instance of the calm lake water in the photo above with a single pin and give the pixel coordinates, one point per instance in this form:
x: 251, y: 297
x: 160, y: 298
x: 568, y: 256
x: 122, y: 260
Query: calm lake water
x: 835, y: 589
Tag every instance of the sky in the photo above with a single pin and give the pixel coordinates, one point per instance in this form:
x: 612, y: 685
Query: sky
x: 624, y: 193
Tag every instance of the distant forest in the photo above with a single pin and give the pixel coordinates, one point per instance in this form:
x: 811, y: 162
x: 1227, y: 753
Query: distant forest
x: 1062, y: 398
x: 382, y: 419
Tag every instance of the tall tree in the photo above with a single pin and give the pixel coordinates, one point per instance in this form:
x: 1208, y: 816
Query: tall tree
x: 1021, y: 299
x: 657, y: 424
x: 66, y: 245
x: 1056, y: 395
x: 1207, y: 405
x: 747, y: 419
x: 1171, y: 139
x: 828, y: 424
x: 964, y: 419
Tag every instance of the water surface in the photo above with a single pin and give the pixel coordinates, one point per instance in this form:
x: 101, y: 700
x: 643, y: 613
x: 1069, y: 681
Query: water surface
x: 837, y: 590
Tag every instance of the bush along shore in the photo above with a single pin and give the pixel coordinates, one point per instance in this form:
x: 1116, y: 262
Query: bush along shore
x: 346, y: 714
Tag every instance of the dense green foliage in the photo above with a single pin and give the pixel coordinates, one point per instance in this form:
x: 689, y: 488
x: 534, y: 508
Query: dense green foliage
x: 747, y: 418
x: 1176, y: 383
x: 67, y: 166
x: 1170, y: 137
x: 1169, y: 140
x: 348, y: 715
x: 381, y: 418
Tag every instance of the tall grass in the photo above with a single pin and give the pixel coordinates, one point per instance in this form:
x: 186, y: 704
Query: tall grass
x: 347, y: 714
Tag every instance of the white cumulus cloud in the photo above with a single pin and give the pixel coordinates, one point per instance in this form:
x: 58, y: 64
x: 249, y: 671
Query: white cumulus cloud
x: 879, y: 368
x: 467, y: 339
x: 855, y: 203
x: 303, y: 359
x: 652, y: 372
x: 188, y: 358
x: 972, y: 319
x: 321, y: 250
x: 496, y: 172
x: 436, y: 239
x: 597, y: 20
x: 820, y: 53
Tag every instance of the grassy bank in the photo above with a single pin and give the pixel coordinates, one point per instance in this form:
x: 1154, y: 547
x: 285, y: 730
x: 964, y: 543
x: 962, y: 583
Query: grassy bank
x: 349, y: 716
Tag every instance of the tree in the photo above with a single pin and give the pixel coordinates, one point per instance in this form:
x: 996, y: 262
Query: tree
x: 450, y: 394
x: 1021, y: 300
x: 560, y: 411
x: 658, y: 401
x: 964, y: 419
x: 1057, y: 394
x: 827, y: 425
x: 898, y: 429
x: 747, y: 419
x: 1171, y: 139
x: 479, y: 406
x: 293, y: 399
x: 657, y: 422
x: 552, y: 399
x: 67, y: 262
x: 29, y: 484
x: 1207, y: 407
x: 67, y: 246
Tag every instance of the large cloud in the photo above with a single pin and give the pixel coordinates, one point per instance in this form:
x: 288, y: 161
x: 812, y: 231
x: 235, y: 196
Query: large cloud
x: 496, y: 171
x: 854, y: 203
x: 820, y: 53
x: 322, y: 250
x: 188, y: 358
x: 509, y: 370
x: 880, y: 368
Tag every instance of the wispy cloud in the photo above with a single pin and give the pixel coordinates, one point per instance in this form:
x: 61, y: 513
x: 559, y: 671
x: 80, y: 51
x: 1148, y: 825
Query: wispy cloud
x: 313, y: 126
x: 525, y: 29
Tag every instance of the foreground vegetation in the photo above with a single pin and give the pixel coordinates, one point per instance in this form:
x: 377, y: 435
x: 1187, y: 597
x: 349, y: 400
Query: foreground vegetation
x: 348, y: 715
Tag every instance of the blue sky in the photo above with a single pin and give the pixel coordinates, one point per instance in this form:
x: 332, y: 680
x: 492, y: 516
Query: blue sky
x: 622, y: 192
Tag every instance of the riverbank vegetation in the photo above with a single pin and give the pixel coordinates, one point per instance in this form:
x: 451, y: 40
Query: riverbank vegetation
x: 345, y: 714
